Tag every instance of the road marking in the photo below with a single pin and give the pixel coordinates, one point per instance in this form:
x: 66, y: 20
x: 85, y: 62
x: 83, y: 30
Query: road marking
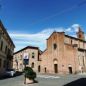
x: 48, y: 76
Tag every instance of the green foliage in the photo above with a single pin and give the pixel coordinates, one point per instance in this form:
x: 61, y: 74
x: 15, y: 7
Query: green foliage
x: 29, y: 73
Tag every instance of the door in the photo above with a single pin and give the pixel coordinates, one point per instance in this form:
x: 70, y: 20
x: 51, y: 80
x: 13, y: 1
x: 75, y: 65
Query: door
x: 70, y: 70
x: 45, y: 69
x: 39, y: 68
x: 55, y: 68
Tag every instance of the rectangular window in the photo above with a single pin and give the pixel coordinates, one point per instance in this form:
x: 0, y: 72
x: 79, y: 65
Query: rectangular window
x: 71, y: 41
x: 0, y: 63
x: 32, y: 65
x: 6, y: 49
x: 20, y: 57
x: 33, y: 55
x: 4, y: 63
x: 1, y: 45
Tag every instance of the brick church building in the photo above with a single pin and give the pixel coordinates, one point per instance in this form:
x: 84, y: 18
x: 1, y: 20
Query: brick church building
x: 64, y: 54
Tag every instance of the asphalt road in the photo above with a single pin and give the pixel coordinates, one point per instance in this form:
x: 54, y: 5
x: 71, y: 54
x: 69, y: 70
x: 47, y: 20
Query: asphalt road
x: 47, y: 80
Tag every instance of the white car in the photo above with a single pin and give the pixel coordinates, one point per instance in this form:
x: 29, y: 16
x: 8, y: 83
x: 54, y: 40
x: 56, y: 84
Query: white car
x: 10, y: 72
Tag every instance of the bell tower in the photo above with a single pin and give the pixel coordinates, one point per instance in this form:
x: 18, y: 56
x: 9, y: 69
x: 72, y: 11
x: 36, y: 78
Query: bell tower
x: 80, y: 34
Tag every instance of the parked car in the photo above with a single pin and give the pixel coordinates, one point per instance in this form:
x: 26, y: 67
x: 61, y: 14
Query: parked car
x: 10, y: 72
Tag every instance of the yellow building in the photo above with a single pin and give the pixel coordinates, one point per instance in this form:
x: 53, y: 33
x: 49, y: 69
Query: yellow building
x: 33, y: 58
x: 6, y: 50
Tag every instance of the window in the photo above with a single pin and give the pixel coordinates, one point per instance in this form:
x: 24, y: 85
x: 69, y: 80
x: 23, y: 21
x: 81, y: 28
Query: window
x: 0, y: 63
x: 20, y: 57
x: 1, y: 45
x: 6, y: 49
x: 71, y: 41
x: 32, y: 65
x: 33, y: 55
x: 79, y: 35
x: 4, y: 63
x: 54, y: 46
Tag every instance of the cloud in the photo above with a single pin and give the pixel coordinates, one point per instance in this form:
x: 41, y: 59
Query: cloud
x: 39, y: 39
x: 72, y: 29
x: 68, y: 30
x: 76, y: 27
x: 36, y: 39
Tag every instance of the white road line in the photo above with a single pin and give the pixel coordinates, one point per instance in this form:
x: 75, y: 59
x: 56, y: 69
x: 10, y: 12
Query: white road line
x: 47, y: 76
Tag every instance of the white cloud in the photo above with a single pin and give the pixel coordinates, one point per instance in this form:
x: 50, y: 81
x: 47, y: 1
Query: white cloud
x: 39, y: 39
x: 75, y: 27
x: 68, y: 30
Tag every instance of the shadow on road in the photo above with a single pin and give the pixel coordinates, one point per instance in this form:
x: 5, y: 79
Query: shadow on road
x: 6, y: 77
x: 79, y: 82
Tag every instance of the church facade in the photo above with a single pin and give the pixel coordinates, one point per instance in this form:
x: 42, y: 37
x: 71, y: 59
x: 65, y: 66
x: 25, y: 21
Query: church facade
x: 64, y: 54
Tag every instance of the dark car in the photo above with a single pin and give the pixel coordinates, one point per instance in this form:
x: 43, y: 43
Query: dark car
x: 10, y: 72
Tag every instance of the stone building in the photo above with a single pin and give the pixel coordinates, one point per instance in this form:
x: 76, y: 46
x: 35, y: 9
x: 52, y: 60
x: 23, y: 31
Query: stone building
x: 64, y: 54
x: 6, y: 50
x: 33, y: 58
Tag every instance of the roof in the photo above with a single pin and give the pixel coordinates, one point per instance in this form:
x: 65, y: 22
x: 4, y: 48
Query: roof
x: 28, y: 47
x: 53, y: 33
x: 75, y: 38
x: 3, y: 28
x: 44, y: 51
x: 67, y: 36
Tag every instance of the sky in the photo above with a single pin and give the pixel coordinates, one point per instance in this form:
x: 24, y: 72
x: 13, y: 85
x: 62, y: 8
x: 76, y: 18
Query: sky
x: 31, y: 22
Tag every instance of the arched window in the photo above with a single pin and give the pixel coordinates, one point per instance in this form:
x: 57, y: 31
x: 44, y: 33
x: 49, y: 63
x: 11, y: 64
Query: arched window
x: 79, y: 35
x: 54, y: 46
x: 32, y: 65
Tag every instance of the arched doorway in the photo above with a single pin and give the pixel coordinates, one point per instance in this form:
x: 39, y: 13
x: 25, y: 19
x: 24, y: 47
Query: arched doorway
x: 70, y: 69
x: 45, y: 69
x: 55, y: 66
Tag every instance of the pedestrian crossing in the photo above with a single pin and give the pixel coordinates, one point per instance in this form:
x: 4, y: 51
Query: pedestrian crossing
x: 48, y: 76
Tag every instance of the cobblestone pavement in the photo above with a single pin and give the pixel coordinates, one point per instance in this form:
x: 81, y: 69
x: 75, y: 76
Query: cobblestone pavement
x: 47, y: 80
